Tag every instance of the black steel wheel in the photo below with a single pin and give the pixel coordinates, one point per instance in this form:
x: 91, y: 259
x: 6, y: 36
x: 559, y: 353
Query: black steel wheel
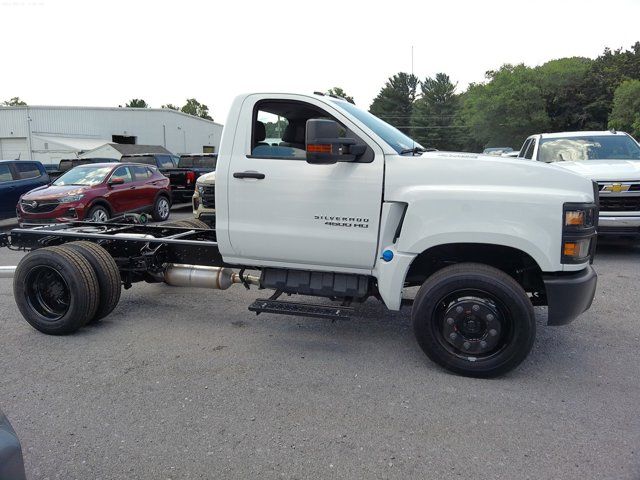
x: 56, y: 290
x: 474, y: 320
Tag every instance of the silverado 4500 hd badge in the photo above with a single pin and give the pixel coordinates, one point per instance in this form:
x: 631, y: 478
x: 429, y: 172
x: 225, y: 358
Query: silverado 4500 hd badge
x: 355, y: 222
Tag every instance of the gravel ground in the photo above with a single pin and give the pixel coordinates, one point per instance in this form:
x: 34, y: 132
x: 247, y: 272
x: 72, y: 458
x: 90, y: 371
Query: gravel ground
x: 180, y: 383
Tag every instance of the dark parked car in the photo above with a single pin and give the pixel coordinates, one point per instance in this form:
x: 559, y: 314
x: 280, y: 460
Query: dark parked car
x: 182, y: 180
x: 11, y: 463
x: 98, y: 192
x: 16, y: 178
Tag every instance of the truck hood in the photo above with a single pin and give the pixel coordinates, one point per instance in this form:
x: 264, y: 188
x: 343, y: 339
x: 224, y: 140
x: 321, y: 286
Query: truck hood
x: 605, y: 170
x: 472, y: 172
x: 207, y: 178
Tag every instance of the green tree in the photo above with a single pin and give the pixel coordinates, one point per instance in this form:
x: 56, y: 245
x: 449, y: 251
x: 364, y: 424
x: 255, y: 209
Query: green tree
x: 136, y: 103
x: 607, y: 72
x: 14, y: 102
x: 339, y: 92
x: 625, y: 114
x: 195, y: 108
x: 170, y: 106
x: 506, y: 109
x: 561, y: 83
x: 434, y: 114
x: 394, y: 103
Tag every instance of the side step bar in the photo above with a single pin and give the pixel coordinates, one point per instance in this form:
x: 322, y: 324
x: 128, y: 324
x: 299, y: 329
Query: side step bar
x: 301, y: 309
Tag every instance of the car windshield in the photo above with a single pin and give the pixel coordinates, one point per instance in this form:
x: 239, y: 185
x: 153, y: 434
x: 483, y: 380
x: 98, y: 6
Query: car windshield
x: 197, y: 162
x: 596, y: 147
x: 84, y: 175
x: 391, y: 135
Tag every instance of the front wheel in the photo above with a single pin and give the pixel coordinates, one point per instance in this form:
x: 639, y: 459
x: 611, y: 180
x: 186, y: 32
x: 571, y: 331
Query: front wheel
x: 474, y: 320
x: 98, y: 214
x: 161, y: 209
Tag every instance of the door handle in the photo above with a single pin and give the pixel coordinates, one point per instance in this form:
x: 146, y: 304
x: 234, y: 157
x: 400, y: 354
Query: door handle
x: 256, y: 175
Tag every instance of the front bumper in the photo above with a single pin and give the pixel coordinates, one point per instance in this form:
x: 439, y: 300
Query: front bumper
x: 63, y: 212
x: 618, y: 225
x: 569, y: 295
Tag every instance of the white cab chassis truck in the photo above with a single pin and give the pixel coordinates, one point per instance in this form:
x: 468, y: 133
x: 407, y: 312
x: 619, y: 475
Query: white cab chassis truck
x: 318, y: 198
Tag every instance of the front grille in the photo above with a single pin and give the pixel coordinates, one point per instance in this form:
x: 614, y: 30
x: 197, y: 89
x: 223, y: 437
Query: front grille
x: 37, y: 207
x: 619, y: 204
x: 209, y: 196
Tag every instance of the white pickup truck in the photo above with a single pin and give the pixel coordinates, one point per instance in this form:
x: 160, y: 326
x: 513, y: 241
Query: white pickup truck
x: 341, y: 205
x: 610, y: 158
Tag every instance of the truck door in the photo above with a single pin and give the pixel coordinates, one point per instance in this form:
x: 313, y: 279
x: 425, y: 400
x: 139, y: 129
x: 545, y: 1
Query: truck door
x: 283, y: 209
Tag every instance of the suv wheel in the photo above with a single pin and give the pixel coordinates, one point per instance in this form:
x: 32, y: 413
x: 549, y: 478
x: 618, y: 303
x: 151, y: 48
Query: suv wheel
x: 161, y: 209
x: 98, y: 214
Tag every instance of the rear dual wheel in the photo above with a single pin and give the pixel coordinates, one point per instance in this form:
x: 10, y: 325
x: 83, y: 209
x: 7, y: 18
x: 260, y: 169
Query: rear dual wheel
x: 60, y: 289
x: 474, y: 320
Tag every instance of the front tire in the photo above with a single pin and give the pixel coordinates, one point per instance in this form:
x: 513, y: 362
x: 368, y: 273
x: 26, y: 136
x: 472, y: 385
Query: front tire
x: 161, y: 209
x: 98, y: 213
x: 474, y: 320
x: 56, y: 290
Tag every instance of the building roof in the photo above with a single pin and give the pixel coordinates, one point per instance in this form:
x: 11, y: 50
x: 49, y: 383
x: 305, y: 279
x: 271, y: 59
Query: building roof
x: 168, y: 111
x: 126, y: 149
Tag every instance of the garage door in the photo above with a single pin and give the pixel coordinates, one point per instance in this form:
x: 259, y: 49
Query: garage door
x: 12, y: 148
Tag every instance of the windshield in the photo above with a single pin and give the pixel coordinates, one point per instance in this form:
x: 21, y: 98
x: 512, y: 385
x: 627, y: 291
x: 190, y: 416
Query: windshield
x: 391, y: 135
x: 596, y: 147
x: 204, y: 161
x: 85, y: 175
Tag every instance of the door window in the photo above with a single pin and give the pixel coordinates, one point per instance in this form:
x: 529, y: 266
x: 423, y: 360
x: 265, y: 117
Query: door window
x: 141, y: 173
x: 165, y: 161
x: 27, y: 170
x: 523, y: 150
x: 124, y: 173
x: 279, y: 129
x: 5, y: 173
x: 529, y: 153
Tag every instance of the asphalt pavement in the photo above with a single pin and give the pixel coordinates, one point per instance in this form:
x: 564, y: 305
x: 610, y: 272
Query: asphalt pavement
x: 180, y: 383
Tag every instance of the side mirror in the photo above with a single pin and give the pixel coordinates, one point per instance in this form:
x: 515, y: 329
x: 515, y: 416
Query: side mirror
x: 325, y: 145
x: 116, y: 181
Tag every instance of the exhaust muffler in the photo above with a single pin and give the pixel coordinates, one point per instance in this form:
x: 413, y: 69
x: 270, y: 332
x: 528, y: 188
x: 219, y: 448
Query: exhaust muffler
x: 199, y: 276
x: 7, y: 272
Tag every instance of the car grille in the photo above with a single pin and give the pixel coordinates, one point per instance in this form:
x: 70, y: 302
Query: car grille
x: 37, y: 207
x: 619, y: 204
x: 209, y: 196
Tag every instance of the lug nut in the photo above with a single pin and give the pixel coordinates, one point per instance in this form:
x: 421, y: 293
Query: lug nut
x: 483, y: 344
x: 490, y: 317
x: 475, y: 308
x: 453, y: 335
x: 493, y: 332
x: 459, y: 309
x: 466, y: 345
x: 450, y: 321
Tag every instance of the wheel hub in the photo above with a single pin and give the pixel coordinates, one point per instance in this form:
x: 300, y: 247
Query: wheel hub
x: 472, y: 325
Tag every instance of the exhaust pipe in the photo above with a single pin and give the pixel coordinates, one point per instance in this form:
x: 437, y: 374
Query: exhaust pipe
x: 198, y: 276
x: 7, y: 272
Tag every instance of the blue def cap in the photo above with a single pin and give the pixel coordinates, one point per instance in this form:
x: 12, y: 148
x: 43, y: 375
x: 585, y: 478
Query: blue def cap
x: 387, y: 255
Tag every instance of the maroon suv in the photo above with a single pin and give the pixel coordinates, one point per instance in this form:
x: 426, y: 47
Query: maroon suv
x: 98, y: 192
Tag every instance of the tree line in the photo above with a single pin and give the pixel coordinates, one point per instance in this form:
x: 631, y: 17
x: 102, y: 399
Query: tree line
x: 516, y: 101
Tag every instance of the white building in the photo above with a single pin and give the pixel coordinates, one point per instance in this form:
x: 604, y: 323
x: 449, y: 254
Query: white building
x: 49, y: 134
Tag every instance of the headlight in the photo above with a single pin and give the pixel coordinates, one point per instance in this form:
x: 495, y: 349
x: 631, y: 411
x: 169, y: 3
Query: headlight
x: 578, y: 232
x: 579, y: 218
x: 200, y: 189
x: 70, y: 198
